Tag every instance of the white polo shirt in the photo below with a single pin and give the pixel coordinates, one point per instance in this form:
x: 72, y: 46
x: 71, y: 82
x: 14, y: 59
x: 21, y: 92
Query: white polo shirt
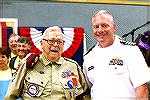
x: 115, y: 71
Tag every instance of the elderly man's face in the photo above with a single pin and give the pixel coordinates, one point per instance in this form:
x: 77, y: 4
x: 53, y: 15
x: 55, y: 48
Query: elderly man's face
x: 52, y: 45
x: 13, y: 43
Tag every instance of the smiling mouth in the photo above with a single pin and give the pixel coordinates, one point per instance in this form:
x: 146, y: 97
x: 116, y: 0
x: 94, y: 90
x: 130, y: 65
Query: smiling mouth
x: 21, y: 51
x: 55, y: 51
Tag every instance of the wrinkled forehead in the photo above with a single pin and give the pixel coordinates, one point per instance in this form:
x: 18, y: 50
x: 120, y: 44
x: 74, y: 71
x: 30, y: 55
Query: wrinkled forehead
x: 54, y: 35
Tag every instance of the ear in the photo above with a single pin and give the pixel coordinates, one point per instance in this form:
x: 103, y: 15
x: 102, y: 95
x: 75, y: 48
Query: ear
x: 114, y: 26
x: 41, y: 42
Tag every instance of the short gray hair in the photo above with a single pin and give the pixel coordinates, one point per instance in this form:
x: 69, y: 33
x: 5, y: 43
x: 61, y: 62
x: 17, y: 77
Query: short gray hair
x: 103, y: 12
x: 52, y: 29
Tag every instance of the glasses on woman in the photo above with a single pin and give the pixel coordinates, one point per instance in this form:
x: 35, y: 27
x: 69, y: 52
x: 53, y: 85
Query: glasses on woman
x: 52, y: 42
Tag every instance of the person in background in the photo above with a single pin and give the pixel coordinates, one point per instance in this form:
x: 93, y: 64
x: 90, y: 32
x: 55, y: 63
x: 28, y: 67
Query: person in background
x: 23, y: 48
x: 147, y: 57
x: 143, y: 42
x: 52, y: 77
x: 5, y: 72
x: 12, y: 41
x: 115, y: 69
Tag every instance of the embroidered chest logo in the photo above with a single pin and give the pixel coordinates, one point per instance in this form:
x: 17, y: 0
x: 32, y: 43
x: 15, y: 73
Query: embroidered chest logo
x: 116, y: 61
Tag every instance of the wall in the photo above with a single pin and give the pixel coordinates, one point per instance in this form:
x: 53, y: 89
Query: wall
x: 38, y: 13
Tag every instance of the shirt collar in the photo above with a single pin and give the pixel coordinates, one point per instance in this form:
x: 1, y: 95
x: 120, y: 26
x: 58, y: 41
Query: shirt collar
x: 12, y: 55
x: 47, y: 61
x: 115, y: 43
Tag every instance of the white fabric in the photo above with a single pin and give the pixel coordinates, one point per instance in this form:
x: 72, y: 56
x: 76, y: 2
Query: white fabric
x: 113, y: 82
x: 5, y: 75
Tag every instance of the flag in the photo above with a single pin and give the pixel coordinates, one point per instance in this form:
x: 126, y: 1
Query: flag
x: 73, y: 47
x: 3, y: 34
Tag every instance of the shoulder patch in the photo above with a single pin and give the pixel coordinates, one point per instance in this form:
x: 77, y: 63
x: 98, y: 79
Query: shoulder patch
x: 128, y: 43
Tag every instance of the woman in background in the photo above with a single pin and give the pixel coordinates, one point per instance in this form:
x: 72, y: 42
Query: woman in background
x: 5, y: 72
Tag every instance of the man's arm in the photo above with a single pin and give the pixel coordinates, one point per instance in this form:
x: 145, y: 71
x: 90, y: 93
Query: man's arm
x: 16, y: 84
x: 142, y: 92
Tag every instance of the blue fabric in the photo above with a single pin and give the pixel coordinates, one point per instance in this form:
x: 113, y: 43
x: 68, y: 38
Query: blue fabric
x: 9, y: 32
x: 3, y: 88
x: 78, y: 56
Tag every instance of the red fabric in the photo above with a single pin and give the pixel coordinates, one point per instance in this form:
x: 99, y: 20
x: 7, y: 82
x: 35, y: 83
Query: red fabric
x: 26, y: 32
x: 4, y: 34
x: 78, y: 38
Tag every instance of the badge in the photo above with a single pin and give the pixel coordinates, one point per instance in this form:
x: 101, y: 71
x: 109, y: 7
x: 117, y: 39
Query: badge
x: 67, y: 74
x: 32, y: 90
x: 75, y: 82
x: 72, y: 95
x: 116, y: 61
x: 72, y: 84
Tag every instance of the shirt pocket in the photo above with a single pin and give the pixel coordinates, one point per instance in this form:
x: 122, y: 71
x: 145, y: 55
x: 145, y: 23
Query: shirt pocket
x: 34, y: 84
x: 117, y: 69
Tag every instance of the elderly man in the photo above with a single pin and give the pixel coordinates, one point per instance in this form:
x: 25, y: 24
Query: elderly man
x: 23, y: 48
x: 52, y: 77
x: 13, y: 44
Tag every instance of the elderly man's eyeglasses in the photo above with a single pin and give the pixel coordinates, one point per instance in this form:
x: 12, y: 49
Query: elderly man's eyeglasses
x: 51, y: 42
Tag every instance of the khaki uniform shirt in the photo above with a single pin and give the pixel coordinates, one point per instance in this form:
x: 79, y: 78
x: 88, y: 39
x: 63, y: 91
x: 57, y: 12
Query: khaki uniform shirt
x: 62, y: 80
